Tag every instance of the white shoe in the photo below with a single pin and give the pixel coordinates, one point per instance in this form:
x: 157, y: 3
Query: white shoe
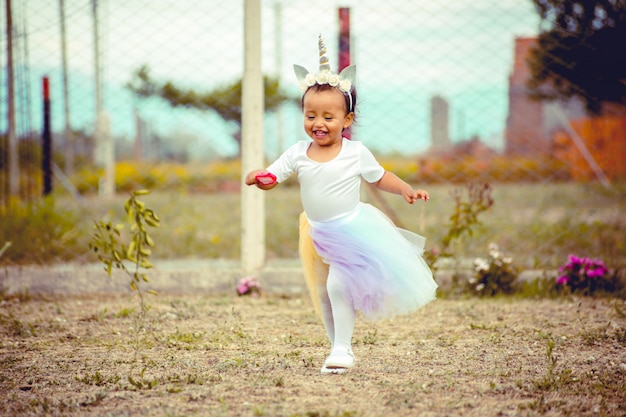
x: 339, y: 360
x: 333, y: 371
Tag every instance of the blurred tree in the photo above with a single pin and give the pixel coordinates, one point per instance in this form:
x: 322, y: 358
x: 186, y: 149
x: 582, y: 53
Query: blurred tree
x: 582, y: 54
x: 225, y: 100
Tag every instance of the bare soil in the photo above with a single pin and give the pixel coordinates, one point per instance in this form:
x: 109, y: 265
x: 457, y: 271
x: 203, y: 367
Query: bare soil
x: 221, y: 355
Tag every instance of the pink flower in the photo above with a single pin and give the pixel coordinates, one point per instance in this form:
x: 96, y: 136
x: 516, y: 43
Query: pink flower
x: 242, y: 289
x: 582, y: 273
x: 248, y: 286
x: 575, y: 260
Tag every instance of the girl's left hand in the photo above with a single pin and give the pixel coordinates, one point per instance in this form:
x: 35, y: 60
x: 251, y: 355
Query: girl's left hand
x: 413, y: 195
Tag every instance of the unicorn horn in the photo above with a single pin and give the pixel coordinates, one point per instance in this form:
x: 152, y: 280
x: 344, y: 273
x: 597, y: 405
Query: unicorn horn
x: 324, y: 65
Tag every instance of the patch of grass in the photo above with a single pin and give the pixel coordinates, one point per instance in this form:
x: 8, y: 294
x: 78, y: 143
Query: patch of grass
x: 16, y: 327
x: 368, y: 339
x: 183, y: 340
x: 98, y: 379
x: 542, y: 286
x: 22, y: 295
x: 125, y: 313
x: 39, y: 233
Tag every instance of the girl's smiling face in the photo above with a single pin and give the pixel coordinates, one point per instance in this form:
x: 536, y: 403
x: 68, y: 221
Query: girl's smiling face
x: 325, y: 115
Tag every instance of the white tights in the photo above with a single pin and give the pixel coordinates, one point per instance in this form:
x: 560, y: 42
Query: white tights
x: 338, y: 314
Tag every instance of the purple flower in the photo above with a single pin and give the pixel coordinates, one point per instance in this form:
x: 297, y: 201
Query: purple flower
x: 582, y: 273
x: 592, y: 273
x: 574, y: 260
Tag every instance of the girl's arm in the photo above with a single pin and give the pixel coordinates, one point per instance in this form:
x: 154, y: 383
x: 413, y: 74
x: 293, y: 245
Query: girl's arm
x: 391, y: 183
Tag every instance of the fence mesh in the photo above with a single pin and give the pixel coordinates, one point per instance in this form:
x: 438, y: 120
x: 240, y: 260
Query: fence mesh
x: 440, y: 82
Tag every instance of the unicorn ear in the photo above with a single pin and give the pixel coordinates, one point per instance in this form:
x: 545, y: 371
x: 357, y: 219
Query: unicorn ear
x: 301, y: 72
x: 348, y: 73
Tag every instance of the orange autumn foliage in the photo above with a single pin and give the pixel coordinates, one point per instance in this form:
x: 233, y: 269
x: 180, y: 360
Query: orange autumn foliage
x: 605, y: 140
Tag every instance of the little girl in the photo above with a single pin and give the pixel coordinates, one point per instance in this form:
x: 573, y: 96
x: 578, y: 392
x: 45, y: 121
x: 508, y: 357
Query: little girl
x: 354, y: 258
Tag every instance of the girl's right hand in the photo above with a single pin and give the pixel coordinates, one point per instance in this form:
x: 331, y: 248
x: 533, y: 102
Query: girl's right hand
x: 262, y: 179
x: 250, y: 178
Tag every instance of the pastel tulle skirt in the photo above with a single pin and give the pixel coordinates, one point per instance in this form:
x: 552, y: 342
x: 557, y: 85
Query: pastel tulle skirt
x: 382, y: 265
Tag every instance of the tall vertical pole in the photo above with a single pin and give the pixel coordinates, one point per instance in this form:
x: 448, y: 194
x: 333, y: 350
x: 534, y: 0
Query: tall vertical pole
x: 69, y: 140
x: 97, y: 156
x: 46, y: 139
x: 13, y: 152
x: 252, y: 199
x: 105, y: 148
x: 278, y: 40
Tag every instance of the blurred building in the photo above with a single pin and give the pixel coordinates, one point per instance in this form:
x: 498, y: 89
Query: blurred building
x: 439, y: 124
x: 526, y: 133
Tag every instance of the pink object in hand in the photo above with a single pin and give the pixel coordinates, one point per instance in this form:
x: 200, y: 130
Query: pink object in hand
x: 265, y: 178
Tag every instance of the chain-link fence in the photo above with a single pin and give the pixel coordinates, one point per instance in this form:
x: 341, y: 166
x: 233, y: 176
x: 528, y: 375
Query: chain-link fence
x: 413, y: 58
x: 440, y: 82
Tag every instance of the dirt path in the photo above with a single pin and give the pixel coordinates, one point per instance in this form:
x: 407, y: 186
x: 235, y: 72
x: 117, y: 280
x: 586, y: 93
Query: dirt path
x: 208, y: 354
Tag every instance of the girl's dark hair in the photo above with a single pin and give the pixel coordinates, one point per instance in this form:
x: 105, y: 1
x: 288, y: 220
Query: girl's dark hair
x: 326, y: 87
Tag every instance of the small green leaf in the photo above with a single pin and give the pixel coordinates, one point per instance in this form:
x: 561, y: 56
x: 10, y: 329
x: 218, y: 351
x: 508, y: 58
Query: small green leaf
x: 131, y: 249
x: 151, y: 222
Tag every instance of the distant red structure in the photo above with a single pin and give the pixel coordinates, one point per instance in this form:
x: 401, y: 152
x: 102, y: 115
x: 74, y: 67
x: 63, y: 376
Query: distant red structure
x: 525, y: 129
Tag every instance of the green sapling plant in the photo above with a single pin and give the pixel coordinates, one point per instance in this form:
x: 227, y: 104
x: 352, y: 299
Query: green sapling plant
x: 464, y: 218
x: 131, y: 258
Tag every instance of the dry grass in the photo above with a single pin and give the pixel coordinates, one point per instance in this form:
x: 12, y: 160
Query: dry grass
x: 539, y: 225
x: 218, y: 355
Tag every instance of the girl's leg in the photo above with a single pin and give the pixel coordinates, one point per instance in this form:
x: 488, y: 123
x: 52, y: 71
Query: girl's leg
x: 327, y: 314
x: 338, y: 315
x: 342, y: 312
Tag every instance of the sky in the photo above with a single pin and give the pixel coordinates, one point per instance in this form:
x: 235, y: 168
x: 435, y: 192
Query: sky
x: 406, y: 51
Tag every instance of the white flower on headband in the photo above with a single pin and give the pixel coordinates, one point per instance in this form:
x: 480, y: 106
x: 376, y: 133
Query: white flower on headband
x: 322, y: 78
x: 310, y: 80
x: 345, y: 86
x: 333, y: 80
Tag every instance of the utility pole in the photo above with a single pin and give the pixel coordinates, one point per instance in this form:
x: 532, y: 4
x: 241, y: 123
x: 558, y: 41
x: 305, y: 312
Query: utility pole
x: 104, y: 148
x: 13, y: 152
x: 252, y: 155
x: 278, y: 40
x: 69, y: 140
x: 97, y: 150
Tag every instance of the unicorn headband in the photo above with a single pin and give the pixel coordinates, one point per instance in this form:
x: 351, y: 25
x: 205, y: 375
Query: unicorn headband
x: 343, y: 81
